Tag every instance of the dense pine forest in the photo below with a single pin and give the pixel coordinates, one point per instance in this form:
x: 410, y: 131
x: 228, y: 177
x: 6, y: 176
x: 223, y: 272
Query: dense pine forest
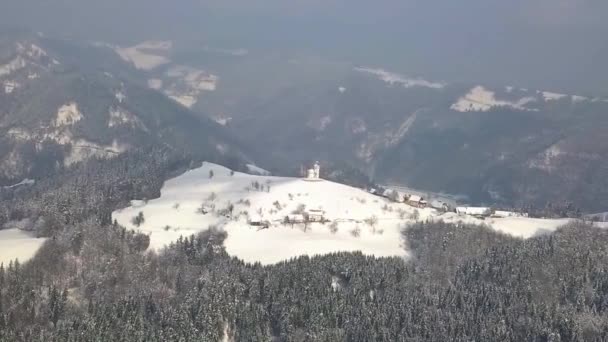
x: 93, y: 280
x: 97, y: 282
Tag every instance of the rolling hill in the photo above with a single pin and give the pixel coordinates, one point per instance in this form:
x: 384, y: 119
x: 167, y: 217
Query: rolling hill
x: 263, y: 216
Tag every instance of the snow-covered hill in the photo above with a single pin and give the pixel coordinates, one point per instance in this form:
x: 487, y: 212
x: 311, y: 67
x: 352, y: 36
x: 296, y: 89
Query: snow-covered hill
x: 358, y: 221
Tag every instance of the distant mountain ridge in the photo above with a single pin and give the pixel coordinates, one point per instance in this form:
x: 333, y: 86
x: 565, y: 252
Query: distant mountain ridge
x: 498, y: 145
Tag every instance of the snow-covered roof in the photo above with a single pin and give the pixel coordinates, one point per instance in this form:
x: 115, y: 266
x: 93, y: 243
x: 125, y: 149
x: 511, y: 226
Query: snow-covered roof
x: 473, y: 210
x: 415, y: 198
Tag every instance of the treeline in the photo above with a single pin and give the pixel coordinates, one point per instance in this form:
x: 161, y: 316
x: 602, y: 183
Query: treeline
x: 95, y: 282
x: 93, y: 190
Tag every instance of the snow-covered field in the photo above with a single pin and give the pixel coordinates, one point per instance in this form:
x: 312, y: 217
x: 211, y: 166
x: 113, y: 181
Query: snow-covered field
x: 17, y: 244
x: 360, y: 221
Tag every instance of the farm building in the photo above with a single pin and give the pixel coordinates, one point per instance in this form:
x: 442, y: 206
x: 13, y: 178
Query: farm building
x: 417, y: 201
x: 295, y: 218
x: 258, y: 221
x: 600, y: 217
x: 316, y: 215
x: 440, y: 205
x: 506, y: 213
x: 474, y: 211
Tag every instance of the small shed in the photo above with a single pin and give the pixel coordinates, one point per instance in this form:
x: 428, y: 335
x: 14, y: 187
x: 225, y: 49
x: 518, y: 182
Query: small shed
x: 257, y: 221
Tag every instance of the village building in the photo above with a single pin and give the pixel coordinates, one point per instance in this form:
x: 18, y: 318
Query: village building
x: 417, y: 201
x: 316, y: 215
x: 258, y: 221
x: 314, y: 174
x: 599, y: 217
x: 506, y: 213
x: 474, y: 211
x: 440, y: 205
x: 294, y: 219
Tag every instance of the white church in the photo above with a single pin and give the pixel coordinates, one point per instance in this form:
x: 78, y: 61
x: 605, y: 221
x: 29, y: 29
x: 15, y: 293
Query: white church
x: 314, y: 174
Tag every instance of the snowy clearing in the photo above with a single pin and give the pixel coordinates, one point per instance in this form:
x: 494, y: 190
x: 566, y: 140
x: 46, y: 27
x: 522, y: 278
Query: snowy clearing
x: 155, y: 83
x: 393, y: 78
x: 357, y: 220
x: 577, y: 98
x: 549, y: 96
x: 12, y: 66
x: 148, y: 55
x: 17, y: 244
x: 82, y: 150
x: 68, y: 114
x: 187, y: 101
x: 186, y: 84
x: 10, y: 86
x: 480, y: 99
x: 526, y: 227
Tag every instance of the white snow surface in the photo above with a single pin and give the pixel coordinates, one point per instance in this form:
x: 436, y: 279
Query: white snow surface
x: 17, y: 244
x: 155, y: 83
x: 148, y: 55
x: 549, y: 96
x: 480, y: 99
x: 12, y: 66
x: 256, y: 170
x: 577, y: 98
x: 187, y: 101
x: 222, y: 119
x: 394, y: 78
x: 120, y: 96
x: 175, y: 214
x: 187, y: 84
x: 119, y: 116
x: 526, y: 227
x: 10, y: 86
x: 231, y: 52
x: 82, y: 150
x: 68, y: 114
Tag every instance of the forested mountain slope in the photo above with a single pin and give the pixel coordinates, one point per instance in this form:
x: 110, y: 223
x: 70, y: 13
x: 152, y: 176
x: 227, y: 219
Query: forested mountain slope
x: 494, y: 144
x: 464, y: 283
x: 63, y: 102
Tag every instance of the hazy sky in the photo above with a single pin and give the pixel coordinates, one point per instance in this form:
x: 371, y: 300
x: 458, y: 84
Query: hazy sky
x: 553, y: 41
